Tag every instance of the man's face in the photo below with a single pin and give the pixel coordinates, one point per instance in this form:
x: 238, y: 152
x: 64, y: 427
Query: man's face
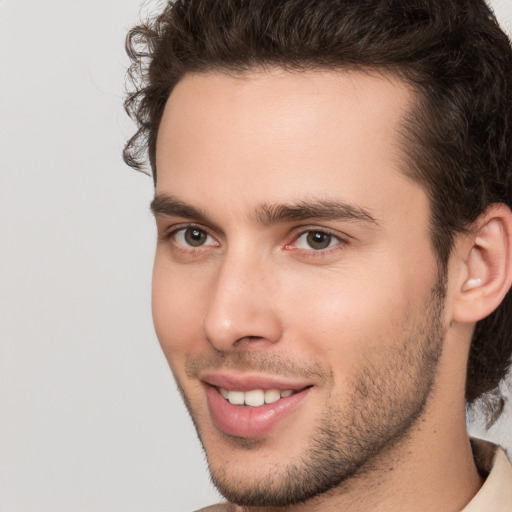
x: 293, y: 267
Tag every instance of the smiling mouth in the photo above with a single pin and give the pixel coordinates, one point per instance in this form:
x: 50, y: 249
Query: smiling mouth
x: 255, y: 397
x: 241, y: 410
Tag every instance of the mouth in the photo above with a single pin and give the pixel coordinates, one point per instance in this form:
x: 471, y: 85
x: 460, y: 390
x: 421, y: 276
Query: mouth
x: 252, y: 407
x: 255, y: 397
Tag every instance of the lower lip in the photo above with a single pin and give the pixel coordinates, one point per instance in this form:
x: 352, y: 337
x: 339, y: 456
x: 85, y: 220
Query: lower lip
x: 246, y: 421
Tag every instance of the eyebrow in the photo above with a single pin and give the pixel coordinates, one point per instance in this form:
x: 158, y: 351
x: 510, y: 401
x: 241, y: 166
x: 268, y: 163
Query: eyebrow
x: 270, y: 214
x: 167, y: 205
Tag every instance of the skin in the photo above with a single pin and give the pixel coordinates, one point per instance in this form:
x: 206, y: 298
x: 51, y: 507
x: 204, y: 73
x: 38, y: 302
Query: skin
x: 256, y: 299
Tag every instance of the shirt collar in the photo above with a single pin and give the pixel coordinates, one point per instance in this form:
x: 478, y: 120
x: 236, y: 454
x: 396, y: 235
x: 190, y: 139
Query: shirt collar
x: 495, y: 495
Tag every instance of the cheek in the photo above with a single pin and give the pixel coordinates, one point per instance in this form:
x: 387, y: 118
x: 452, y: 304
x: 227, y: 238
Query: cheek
x: 177, y: 305
x: 349, y: 316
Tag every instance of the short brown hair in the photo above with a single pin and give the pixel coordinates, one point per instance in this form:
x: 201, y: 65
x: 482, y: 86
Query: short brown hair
x: 457, y: 140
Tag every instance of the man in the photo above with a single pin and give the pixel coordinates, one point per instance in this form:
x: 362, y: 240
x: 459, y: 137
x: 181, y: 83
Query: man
x: 333, y: 183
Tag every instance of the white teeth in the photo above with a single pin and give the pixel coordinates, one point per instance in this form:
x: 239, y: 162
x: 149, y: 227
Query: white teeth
x: 254, y: 397
x: 272, y: 395
x: 236, y: 397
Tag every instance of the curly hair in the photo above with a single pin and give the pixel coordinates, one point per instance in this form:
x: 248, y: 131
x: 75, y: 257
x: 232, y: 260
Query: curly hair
x: 456, y: 140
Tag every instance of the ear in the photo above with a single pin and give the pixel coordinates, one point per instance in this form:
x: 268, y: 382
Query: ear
x: 486, y: 266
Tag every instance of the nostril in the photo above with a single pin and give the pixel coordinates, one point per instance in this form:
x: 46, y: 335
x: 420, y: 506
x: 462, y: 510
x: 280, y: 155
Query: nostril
x: 248, y: 331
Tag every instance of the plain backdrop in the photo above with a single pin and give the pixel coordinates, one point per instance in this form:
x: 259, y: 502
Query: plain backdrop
x: 90, y: 419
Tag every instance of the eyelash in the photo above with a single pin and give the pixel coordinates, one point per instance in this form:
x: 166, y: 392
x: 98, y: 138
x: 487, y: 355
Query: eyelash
x: 191, y: 250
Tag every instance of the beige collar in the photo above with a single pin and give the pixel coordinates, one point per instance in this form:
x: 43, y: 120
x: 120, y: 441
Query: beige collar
x: 496, y: 493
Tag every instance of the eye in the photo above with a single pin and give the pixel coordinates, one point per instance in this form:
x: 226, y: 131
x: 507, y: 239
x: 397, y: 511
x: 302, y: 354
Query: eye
x: 316, y: 240
x: 193, y: 237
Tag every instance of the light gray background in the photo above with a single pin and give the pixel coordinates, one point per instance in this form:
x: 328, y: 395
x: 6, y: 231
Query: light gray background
x: 89, y: 416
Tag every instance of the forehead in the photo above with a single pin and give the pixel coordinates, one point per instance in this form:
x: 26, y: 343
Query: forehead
x: 275, y: 135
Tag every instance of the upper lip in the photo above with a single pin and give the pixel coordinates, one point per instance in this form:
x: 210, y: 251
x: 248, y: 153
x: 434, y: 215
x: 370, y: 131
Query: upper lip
x: 247, y: 382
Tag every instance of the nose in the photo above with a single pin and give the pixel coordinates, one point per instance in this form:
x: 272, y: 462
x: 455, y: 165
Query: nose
x: 242, y: 313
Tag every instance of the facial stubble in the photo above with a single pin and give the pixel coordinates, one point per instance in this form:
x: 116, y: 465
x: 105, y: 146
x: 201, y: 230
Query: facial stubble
x: 388, y: 397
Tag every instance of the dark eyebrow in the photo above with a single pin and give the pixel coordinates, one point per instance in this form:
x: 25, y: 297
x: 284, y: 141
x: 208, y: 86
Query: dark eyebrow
x: 313, y: 210
x: 164, y: 204
x: 269, y: 214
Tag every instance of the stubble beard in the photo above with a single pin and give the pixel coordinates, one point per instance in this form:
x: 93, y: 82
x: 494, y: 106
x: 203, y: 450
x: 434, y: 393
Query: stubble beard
x: 388, y: 397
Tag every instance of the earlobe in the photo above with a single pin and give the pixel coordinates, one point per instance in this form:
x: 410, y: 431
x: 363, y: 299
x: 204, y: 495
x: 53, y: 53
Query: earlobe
x: 487, y: 264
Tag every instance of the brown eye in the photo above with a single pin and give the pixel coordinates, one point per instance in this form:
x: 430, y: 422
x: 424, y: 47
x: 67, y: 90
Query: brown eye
x: 318, y: 240
x: 193, y: 237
